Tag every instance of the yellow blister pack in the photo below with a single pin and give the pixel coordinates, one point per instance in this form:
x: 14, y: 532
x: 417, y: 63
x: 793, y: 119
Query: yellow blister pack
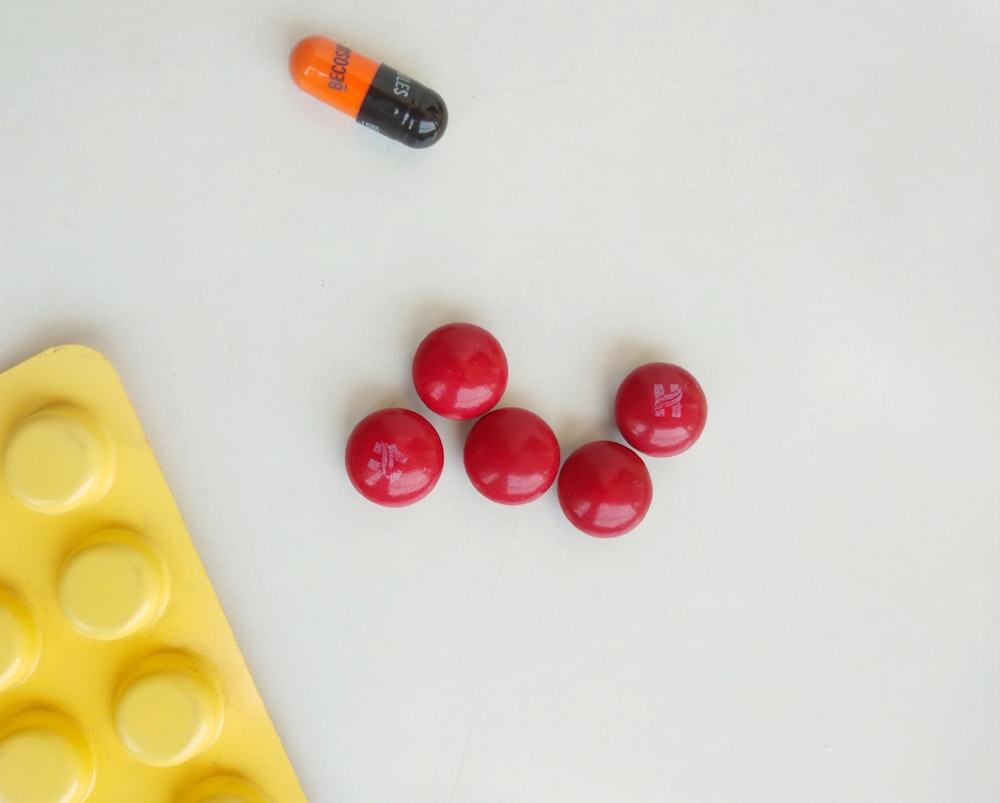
x: 120, y: 678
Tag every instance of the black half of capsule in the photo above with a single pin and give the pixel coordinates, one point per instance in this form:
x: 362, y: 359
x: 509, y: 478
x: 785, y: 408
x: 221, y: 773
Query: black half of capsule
x: 403, y: 109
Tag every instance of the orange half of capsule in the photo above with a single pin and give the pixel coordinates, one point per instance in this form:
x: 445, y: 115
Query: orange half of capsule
x: 332, y: 72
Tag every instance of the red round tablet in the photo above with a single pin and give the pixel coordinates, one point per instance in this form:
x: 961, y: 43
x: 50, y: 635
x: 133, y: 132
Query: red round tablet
x: 394, y: 457
x: 604, y: 489
x: 660, y: 409
x: 511, y: 456
x: 460, y: 371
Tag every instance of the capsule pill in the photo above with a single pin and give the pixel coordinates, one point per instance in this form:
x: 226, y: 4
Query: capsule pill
x: 376, y: 95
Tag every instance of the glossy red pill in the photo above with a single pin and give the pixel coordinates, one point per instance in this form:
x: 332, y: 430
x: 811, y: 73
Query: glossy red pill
x: 660, y: 409
x: 394, y: 457
x: 460, y: 371
x: 604, y: 489
x: 511, y: 456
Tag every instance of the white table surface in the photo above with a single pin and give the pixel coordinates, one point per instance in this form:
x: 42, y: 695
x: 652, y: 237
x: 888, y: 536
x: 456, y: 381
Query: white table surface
x: 800, y: 202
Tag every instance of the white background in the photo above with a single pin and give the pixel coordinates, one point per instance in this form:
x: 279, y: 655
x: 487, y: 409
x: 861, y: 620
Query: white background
x: 799, y: 202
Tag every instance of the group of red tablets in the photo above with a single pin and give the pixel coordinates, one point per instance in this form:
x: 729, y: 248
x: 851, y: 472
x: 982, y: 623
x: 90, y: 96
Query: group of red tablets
x: 395, y: 457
